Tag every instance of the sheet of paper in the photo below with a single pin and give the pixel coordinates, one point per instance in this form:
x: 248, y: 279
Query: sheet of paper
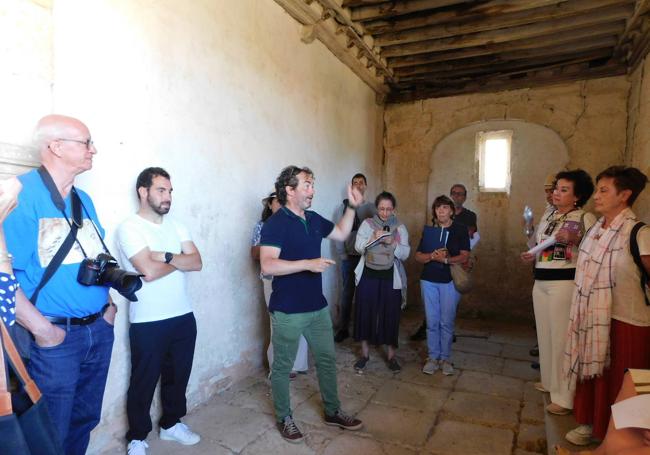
x: 377, y: 240
x: 542, y: 246
x: 474, y: 240
x: 632, y: 413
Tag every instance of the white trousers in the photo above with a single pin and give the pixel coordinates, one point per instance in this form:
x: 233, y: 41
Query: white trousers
x: 301, y: 363
x: 552, y: 304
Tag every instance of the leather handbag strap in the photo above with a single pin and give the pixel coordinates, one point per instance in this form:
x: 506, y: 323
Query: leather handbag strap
x: 19, y: 367
x: 5, y: 396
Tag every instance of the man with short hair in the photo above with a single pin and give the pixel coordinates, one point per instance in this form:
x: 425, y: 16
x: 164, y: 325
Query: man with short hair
x: 462, y: 215
x: 291, y: 252
x: 71, y: 323
x: 163, y: 328
x: 349, y: 255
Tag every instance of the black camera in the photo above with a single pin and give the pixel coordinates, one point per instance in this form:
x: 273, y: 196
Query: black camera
x: 104, y: 271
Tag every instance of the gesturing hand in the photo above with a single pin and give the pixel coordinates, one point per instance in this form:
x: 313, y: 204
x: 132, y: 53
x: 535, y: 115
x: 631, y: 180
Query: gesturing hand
x: 355, y: 197
x: 319, y: 265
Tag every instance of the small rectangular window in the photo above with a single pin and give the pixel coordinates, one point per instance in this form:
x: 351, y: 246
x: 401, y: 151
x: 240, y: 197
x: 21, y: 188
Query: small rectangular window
x: 493, y: 153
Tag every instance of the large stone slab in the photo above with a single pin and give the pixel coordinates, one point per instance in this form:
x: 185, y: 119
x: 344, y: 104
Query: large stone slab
x: 350, y: 444
x: 476, y: 346
x: 272, y: 443
x: 461, y: 438
x: 413, y: 373
x: 395, y: 425
x: 520, y: 369
x: 532, y: 438
x: 533, y: 413
x: 482, y: 409
x: 410, y: 396
x: 490, y: 384
x: 229, y: 426
x: 478, y: 362
x: 358, y: 386
x: 512, y: 351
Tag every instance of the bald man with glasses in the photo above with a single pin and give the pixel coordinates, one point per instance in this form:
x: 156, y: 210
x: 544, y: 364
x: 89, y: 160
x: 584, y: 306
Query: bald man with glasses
x: 71, y: 324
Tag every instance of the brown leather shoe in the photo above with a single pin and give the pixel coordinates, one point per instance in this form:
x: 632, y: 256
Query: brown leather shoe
x: 342, y: 420
x: 289, y: 431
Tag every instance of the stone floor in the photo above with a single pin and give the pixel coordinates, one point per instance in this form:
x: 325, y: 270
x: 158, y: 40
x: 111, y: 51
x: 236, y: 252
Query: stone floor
x: 488, y: 408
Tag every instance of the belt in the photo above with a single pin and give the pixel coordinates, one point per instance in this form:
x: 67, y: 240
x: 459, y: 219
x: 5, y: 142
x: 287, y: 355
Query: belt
x: 77, y: 321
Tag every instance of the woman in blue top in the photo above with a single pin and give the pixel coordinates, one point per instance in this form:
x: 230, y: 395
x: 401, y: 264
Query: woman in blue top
x: 9, y: 190
x: 442, y: 244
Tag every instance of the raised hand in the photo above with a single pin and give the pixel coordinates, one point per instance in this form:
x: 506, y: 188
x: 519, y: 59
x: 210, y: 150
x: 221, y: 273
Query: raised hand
x: 354, y: 196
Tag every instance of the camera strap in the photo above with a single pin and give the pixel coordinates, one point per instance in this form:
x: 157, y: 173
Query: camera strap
x: 77, y: 222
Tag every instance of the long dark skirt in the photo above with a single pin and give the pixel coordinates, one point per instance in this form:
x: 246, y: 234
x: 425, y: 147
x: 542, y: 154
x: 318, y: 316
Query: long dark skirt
x: 377, y: 311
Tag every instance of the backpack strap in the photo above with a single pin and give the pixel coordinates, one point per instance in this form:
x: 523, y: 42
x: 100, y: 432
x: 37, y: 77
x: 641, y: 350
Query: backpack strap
x: 636, y: 256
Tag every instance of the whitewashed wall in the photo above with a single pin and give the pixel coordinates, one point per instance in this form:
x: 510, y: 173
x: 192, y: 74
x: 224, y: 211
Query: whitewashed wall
x: 222, y: 94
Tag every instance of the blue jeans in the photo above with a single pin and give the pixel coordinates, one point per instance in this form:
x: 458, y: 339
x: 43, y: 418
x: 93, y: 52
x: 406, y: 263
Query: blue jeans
x: 347, y: 294
x: 440, y: 303
x: 72, y: 377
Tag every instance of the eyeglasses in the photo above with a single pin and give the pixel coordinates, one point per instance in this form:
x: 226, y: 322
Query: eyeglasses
x: 458, y: 193
x: 88, y: 142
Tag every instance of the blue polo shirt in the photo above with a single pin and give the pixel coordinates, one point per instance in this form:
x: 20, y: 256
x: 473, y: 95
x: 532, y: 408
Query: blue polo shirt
x: 297, y: 239
x: 34, y: 231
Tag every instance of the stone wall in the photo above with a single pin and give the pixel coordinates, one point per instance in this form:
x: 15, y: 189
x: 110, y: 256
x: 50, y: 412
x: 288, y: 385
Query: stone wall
x: 590, y: 117
x: 221, y: 96
x: 638, y: 150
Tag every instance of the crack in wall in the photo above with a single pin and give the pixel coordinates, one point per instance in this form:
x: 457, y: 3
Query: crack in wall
x: 583, y: 95
x: 630, y: 136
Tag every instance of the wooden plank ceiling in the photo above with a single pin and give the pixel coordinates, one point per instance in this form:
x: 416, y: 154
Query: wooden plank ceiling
x: 430, y: 48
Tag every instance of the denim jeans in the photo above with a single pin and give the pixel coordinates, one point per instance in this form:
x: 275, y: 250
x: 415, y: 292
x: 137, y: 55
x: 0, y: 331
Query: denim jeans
x: 316, y: 327
x: 347, y: 293
x: 440, y: 303
x: 72, y: 378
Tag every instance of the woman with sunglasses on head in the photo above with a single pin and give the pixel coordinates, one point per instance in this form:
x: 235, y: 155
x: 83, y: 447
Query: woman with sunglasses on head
x: 554, y: 272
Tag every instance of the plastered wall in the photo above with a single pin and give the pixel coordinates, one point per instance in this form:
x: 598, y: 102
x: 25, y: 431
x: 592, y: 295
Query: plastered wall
x: 221, y: 94
x: 638, y: 150
x: 589, y: 117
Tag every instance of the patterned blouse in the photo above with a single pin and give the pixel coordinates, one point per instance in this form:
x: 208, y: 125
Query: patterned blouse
x: 8, y: 287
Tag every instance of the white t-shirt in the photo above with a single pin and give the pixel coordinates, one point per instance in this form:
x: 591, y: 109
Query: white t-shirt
x: 165, y: 297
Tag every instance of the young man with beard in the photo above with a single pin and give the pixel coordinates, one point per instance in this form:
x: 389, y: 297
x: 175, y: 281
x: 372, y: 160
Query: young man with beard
x: 163, y: 328
x: 291, y: 252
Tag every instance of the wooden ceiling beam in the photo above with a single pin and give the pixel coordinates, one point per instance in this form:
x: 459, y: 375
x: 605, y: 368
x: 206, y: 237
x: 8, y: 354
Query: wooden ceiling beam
x: 567, y: 38
x: 492, y: 59
x: 512, y: 68
x: 408, y: 93
x: 476, y: 10
x: 604, y: 16
x: 356, y: 3
x: 481, y: 24
x: 397, y: 8
x: 632, y: 28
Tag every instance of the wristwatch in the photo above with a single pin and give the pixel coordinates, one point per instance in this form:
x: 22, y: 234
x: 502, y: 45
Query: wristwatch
x: 168, y: 257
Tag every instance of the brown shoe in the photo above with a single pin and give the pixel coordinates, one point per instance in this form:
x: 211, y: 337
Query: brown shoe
x: 557, y: 410
x: 289, y: 431
x: 342, y: 420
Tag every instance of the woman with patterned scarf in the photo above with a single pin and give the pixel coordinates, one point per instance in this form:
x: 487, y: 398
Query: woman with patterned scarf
x: 609, y: 326
x: 383, y: 243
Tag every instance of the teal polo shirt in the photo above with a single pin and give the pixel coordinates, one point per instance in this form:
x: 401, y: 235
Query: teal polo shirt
x: 297, y: 239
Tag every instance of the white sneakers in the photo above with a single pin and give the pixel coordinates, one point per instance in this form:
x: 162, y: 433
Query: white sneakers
x: 580, y: 436
x: 136, y: 447
x: 181, y: 434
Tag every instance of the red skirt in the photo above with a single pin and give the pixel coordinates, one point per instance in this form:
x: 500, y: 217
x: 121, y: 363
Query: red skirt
x: 630, y: 348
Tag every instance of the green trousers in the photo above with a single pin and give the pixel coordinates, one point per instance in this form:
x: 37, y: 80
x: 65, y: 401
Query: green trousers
x: 316, y: 327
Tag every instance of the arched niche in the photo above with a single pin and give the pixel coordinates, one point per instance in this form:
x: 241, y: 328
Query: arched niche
x: 503, y: 283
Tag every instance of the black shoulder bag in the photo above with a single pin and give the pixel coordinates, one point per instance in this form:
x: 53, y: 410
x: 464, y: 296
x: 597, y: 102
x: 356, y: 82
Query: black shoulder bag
x: 636, y: 255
